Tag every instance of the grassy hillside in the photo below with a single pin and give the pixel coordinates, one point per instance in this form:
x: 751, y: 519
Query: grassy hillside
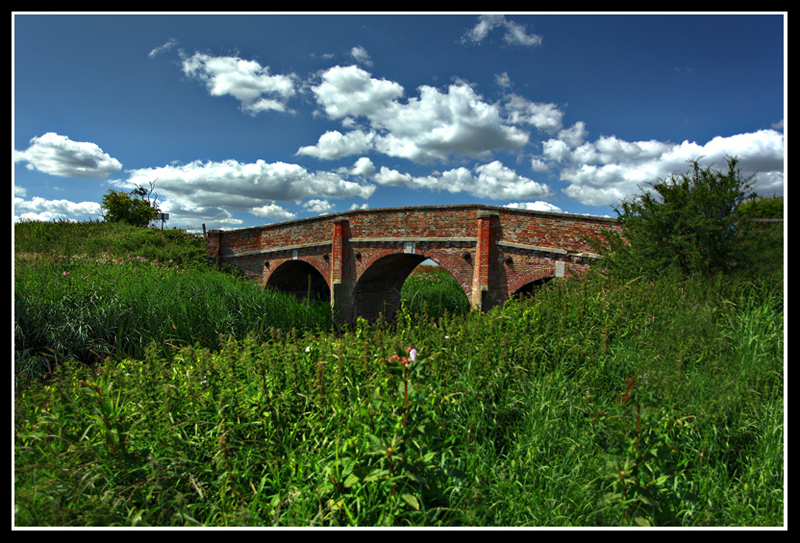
x: 598, y: 403
x: 93, y: 290
x: 103, y: 240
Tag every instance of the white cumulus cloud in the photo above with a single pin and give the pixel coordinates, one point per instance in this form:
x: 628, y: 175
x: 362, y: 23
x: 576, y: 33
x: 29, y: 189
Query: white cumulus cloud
x: 535, y: 206
x: 360, y: 55
x: 205, y: 188
x: 319, y: 206
x: 503, y: 80
x: 574, y: 135
x: 349, y: 91
x: 363, y: 167
x: 431, y: 127
x: 497, y: 181
x: 440, y: 124
x: 41, y: 209
x: 272, y: 211
x: 545, y: 117
x: 246, y: 80
x: 492, y: 180
x: 333, y: 144
x: 58, y: 155
x: 609, y: 169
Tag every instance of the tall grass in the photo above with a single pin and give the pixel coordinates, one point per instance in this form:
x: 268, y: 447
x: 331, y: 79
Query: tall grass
x: 89, y: 307
x: 597, y: 403
x: 430, y: 291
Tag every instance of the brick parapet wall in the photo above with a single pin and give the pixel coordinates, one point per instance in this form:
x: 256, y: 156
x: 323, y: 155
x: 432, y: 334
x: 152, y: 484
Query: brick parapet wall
x: 455, y: 221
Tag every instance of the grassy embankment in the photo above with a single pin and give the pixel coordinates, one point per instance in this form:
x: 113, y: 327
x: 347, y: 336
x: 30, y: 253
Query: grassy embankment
x: 181, y: 396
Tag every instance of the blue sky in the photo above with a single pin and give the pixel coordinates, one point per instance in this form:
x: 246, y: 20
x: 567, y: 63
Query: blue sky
x: 248, y: 119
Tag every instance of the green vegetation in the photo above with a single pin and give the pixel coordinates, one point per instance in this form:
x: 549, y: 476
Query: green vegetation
x: 432, y: 292
x: 77, y: 295
x: 697, y: 223
x: 36, y: 241
x: 177, y: 395
x: 137, y: 208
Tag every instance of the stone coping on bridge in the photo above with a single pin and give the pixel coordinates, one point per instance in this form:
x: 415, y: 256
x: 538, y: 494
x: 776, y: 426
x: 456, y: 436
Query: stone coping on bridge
x: 582, y: 254
x: 377, y: 210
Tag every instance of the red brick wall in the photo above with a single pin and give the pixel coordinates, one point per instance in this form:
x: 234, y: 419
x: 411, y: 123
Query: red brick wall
x: 518, y: 226
x: 550, y: 230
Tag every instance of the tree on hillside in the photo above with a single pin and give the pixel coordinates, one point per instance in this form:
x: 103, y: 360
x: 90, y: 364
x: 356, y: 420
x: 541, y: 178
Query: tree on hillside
x: 139, y: 207
x: 692, y: 222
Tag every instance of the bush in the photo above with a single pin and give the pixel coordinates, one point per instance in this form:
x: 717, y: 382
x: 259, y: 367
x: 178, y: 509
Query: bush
x: 689, y: 222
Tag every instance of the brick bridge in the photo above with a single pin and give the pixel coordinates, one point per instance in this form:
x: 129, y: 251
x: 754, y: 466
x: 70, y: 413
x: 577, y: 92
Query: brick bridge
x: 359, y: 259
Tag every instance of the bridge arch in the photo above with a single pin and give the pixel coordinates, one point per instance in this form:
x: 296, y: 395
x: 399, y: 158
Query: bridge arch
x: 380, y: 281
x: 527, y: 284
x: 377, y: 290
x: 300, y: 279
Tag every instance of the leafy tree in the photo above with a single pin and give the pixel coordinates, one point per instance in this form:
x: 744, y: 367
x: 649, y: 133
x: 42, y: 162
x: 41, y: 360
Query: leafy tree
x: 138, y: 207
x: 692, y: 222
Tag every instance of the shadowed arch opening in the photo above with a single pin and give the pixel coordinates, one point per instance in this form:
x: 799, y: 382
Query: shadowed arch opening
x: 528, y: 290
x: 300, y: 279
x: 378, y: 290
x: 382, y: 286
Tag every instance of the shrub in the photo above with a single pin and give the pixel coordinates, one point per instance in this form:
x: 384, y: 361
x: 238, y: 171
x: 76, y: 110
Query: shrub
x: 690, y: 222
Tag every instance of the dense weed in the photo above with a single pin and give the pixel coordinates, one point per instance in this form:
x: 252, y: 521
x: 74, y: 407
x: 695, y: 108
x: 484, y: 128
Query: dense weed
x: 599, y: 402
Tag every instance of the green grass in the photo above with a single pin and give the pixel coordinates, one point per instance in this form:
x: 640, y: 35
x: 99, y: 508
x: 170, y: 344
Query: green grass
x: 431, y: 291
x: 597, y: 403
x: 98, y: 239
x: 136, y: 287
